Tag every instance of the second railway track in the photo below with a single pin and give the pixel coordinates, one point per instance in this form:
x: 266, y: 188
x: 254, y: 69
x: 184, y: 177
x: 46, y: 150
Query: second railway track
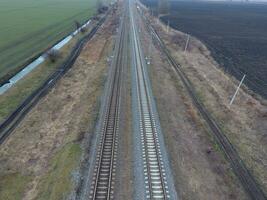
x: 158, y: 181
x: 102, y: 186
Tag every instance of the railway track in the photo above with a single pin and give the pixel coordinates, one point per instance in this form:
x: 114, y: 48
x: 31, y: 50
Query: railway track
x: 11, y: 122
x: 246, y: 178
x: 102, y: 186
x: 154, y: 170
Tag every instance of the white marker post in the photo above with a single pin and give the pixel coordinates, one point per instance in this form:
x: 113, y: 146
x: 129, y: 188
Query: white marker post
x: 168, y: 26
x: 233, y: 98
x: 187, y: 41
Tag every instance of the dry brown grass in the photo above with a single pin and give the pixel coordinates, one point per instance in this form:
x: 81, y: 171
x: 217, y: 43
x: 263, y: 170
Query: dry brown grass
x: 47, y: 144
x: 244, y: 122
x: 200, y: 170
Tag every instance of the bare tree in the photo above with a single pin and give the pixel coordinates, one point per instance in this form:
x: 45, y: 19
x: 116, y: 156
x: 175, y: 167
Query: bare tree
x: 101, y: 7
x: 53, y: 55
x: 77, y: 24
x: 84, y: 29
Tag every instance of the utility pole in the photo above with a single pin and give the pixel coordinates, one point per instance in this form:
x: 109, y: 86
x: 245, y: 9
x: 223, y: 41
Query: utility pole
x: 187, y: 41
x: 233, y: 98
x: 149, y: 48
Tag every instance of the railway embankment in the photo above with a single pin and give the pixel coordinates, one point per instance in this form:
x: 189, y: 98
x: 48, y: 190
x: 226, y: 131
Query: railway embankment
x: 242, y: 123
x: 44, y: 154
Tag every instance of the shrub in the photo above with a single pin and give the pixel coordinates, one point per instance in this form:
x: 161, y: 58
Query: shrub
x: 84, y: 29
x: 53, y: 55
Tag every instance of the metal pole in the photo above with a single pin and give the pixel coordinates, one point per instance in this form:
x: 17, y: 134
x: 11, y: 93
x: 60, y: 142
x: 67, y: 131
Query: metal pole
x: 233, y: 98
x: 186, y: 44
x: 168, y: 26
x: 149, y: 48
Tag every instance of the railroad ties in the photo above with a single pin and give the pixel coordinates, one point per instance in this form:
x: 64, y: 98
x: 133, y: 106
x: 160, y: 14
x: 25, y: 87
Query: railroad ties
x: 157, y: 178
x: 156, y: 181
x: 102, y: 186
x: 104, y: 171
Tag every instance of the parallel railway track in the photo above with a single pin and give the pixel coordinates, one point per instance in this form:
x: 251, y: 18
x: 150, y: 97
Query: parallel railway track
x: 153, y: 165
x: 102, y: 186
x: 156, y: 183
x: 246, y: 178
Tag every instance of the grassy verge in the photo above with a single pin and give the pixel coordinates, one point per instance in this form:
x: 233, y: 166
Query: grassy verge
x: 13, y: 185
x: 15, y: 95
x: 57, y: 183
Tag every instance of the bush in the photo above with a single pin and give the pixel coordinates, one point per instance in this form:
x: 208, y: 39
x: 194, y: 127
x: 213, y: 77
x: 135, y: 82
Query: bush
x: 102, y: 9
x: 84, y: 29
x: 53, y: 55
x: 96, y: 18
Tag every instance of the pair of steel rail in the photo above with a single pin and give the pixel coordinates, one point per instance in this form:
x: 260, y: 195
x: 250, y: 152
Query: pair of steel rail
x: 102, y: 186
x: 105, y: 164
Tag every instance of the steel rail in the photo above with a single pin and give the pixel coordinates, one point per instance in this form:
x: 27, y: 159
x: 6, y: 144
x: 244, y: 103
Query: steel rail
x: 102, y: 185
x: 150, y: 139
x: 154, y: 135
x: 154, y: 139
x: 246, y: 178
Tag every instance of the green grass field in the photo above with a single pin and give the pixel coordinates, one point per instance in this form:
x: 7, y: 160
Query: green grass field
x: 30, y: 26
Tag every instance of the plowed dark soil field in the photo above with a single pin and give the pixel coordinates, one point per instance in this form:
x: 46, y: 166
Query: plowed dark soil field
x: 235, y: 33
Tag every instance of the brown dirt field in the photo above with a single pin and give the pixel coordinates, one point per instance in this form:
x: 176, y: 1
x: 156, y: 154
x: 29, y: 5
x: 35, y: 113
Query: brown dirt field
x: 199, y: 168
x: 62, y: 117
x: 244, y: 123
